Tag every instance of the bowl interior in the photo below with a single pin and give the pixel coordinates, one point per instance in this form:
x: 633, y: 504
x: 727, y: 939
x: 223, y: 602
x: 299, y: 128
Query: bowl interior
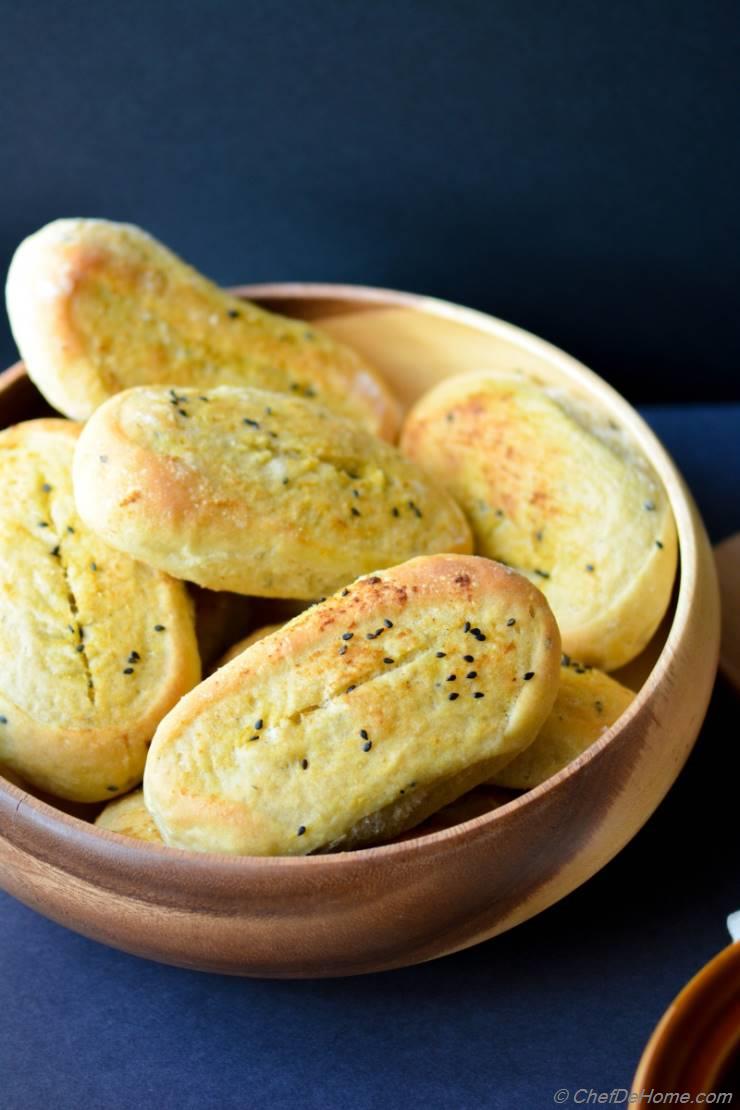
x: 416, y: 342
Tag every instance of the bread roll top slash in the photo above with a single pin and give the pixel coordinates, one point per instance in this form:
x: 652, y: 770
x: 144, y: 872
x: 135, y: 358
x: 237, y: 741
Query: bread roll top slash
x: 254, y: 492
x: 95, y: 648
x: 361, y: 716
x: 588, y: 703
x: 97, y: 307
x: 561, y: 495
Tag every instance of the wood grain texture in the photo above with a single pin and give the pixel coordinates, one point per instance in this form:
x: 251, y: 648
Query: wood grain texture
x: 443, y: 888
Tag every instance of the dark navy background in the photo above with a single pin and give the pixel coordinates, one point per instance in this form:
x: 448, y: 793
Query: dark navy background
x: 572, y: 167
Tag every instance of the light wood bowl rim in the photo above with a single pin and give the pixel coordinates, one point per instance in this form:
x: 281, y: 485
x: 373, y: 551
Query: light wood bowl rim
x: 36, y: 811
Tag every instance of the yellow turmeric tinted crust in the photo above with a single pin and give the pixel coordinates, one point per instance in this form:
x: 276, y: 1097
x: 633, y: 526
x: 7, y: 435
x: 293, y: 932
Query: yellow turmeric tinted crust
x: 562, y: 499
x: 254, y: 492
x: 242, y: 645
x: 588, y: 703
x: 94, y: 647
x: 129, y: 817
x: 361, y: 716
x: 97, y: 307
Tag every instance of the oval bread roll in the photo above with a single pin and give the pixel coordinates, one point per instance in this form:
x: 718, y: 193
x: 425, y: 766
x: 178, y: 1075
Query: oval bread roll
x: 97, y: 307
x: 588, y: 703
x: 254, y: 492
x: 361, y: 716
x: 129, y: 817
x: 95, y: 648
x: 564, y: 501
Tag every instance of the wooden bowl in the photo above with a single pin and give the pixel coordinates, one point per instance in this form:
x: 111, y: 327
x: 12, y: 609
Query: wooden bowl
x: 453, y: 882
x: 696, y: 1045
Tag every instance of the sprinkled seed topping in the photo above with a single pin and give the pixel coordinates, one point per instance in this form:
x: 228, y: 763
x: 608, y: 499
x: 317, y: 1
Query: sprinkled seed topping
x: 111, y: 788
x: 159, y: 628
x: 388, y: 659
x: 415, y: 509
x: 304, y: 764
x: 441, y: 654
x: 599, y: 706
x: 3, y: 720
x: 93, y: 566
x: 80, y: 647
x: 350, y: 689
x: 659, y: 544
x: 347, y: 635
x: 542, y: 573
x: 387, y: 623
x: 395, y: 511
x: 650, y: 506
x: 343, y: 649
x: 453, y: 697
x: 363, y: 733
x: 55, y: 551
x: 255, y: 737
x: 258, y: 724
x: 538, y: 535
x: 355, y: 493
x: 479, y: 694
x: 251, y: 423
x: 344, y: 592
x: 206, y: 399
x: 478, y: 634
x: 589, y: 567
x: 499, y: 512
x: 528, y: 675
x: 367, y: 745
x: 134, y: 657
x: 233, y: 313
x: 472, y: 674
x: 43, y: 524
x: 466, y: 626
x: 183, y: 413
x: 564, y: 660
x: 511, y: 622
x: 301, y: 830
x: 356, y: 512
x: 451, y: 678
x: 128, y: 670
x: 70, y: 529
x: 469, y: 658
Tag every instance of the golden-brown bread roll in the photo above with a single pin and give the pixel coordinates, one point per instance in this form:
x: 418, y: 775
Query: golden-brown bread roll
x: 95, y: 648
x: 561, y: 498
x: 361, y: 716
x: 129, y: 817
x: 97, y: 307
x: 242, y: 645
x: 254, y: 492
x: 588, y: 703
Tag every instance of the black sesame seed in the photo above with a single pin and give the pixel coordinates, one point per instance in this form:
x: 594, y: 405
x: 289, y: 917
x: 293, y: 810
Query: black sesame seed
x: 356, y: 512
x: 363, y: 733
x: 233, y: 313
x: 469, y: 658
x: 344, y: 593
x: 472, y: 674
x: 367, y: 746
x: 286, y: 481
x: 499, y: 512
x: 370, y: 635
x: 565, y: 660
x: 466, y: 626
x: 46, y: 487
x: 355, y: 493
x: 387, y: 623
x: 347, y: 635
x: 650, y: 506
x: 268, y: 411
x: 201, y: 398
x: 479, y: 694
x: 111, y: 788
x: 441, y: 654
x: 542, y: 573
x: 134, y: 657
x: 453, y: 697
x: 350, y: 689
x: 301, y: 830
x: 599, y: 706
x: 80, y: 647
x: 258, y: 724
x: 659, y: 544
x: 352, y: 475
x: 93, y: 566
x: 3, y: 720
x: 511, y: 622
x: 589, y: 567
x: 128, y: 670
x: 580, y: 670
x: 43, y: 524
x: 304, y: 764
x: 70, y: 529
x: 388, y: 659
x: 528, y: 675
x: 478, y: 635
x: 343, y: 649
x: 451, y: 678
x: 395, y: 511
x: 250, y: 423
x: 183, y: 413
x: 159, y: 628
x: 255, y: 737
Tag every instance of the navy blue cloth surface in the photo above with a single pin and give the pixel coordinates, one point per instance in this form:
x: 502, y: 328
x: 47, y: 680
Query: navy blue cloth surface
x: 567, y: 1000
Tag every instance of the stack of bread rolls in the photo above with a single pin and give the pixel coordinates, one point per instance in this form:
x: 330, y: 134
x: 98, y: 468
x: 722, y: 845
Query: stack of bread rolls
x: 443, y: 613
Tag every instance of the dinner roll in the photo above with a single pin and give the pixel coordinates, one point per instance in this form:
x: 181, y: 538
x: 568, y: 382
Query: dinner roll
x: 97, y: 307
x: 95, y: 648
x: 255, y: 492
x: 129, y: 817
x: 361, y: 716
x: 588, y: 703
x: 561, y: 497
x: 242, y: 645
